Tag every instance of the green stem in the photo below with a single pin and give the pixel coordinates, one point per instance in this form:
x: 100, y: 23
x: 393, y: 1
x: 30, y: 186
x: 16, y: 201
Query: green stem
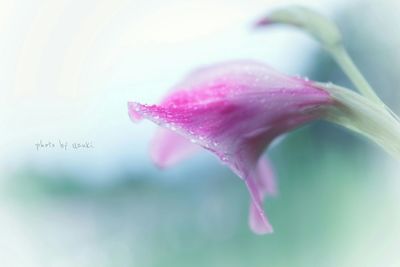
x: 328, y: 35
x: 343, y: 59
x: 364, y: 116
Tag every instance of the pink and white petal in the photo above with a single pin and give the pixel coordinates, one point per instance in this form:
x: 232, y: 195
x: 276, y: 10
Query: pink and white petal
x: 249, y: 165
x: 241, y: 71
x: 168, y: 148
x: 258, y: 221
x: 249, y: 74
x: 134, y: 115
x: 267, y: 178
x: 235, y: 110
x: 266, y: 185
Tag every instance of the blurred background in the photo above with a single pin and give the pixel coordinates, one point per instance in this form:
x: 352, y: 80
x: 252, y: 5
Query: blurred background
x: 68, y: 69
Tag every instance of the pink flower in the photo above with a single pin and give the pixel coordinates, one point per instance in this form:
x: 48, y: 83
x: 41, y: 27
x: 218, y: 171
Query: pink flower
x: 234, y: 110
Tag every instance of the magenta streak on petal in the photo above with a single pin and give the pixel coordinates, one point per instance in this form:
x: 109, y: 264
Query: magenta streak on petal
x: 168, y: 148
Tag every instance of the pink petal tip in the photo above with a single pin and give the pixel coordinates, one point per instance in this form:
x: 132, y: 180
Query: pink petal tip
x: 133, y: 111
x: 258, y: 223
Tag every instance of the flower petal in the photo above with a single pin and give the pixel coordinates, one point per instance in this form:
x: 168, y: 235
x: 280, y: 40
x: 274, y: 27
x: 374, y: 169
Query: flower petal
x: 258, y: 220
x: 168, y: 148
x: 235, y: 110
x: 253, y: 169
x: 266, y: 185
x: 266, y: 175
x: 134, y: 115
